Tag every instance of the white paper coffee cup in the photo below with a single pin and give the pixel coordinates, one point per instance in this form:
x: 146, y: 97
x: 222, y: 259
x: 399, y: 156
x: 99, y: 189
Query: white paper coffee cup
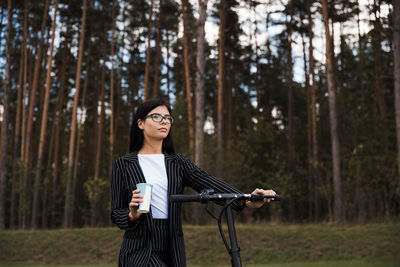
x: 145, y: 190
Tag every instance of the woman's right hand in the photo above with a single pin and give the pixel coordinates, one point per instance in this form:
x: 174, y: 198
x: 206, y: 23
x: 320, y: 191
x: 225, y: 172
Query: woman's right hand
x: 134, y: 204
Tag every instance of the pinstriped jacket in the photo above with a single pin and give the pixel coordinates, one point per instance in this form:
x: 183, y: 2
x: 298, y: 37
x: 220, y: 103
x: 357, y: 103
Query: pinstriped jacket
x: 126, y: 173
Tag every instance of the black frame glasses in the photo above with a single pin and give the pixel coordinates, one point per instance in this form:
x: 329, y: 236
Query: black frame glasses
x: 158, y: 118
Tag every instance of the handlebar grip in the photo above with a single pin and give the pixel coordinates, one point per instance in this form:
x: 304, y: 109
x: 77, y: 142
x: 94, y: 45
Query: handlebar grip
x: 257, y: 197
x: 184, y: 198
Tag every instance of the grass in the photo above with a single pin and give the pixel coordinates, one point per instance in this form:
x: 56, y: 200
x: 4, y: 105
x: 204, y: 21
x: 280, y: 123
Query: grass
x: 293, y: 264
x: 279, y: 245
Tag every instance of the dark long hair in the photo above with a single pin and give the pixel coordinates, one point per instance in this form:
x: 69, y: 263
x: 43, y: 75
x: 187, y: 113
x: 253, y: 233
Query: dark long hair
x: 137, y: 137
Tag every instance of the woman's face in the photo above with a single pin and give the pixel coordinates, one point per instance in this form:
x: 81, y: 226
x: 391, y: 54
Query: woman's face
x: 153, y: 130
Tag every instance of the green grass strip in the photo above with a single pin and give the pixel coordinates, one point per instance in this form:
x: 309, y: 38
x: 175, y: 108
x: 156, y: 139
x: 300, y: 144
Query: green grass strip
x: 259, y: 244
x: 293, y: 264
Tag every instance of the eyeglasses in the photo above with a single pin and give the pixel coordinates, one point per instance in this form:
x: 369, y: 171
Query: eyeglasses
x: 158, y: 118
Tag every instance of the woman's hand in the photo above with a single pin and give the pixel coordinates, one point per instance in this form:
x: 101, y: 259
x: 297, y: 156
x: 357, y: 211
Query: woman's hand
x: 134, y: 204
x: 258, y: 204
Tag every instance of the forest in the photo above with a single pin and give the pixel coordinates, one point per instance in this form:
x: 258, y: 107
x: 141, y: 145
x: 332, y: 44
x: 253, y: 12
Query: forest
x: 302, y: 97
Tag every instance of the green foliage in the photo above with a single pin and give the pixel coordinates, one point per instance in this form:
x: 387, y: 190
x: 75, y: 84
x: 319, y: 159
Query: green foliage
x: 94, y: 187
x: 255, y: 97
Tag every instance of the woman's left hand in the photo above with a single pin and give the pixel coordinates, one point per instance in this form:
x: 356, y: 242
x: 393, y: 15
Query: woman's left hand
x: 258, y: 204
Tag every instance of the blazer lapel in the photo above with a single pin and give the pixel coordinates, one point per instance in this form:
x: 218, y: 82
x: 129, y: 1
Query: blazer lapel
x: 134, y: 172
x: 172, y: 174
x: 135, y: 176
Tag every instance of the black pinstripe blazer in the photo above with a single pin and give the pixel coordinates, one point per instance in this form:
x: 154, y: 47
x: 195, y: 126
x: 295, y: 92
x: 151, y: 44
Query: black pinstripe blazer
x: 126, y: 173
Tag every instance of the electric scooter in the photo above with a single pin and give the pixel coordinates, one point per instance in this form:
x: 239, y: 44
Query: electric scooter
x: 208, y: 195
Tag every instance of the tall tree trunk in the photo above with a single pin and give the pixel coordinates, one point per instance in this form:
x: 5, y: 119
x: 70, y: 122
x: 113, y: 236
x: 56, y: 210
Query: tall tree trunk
x: 360, y: 63
x: 4, y: 128
x: 46, y: 179
x: 17, y: 134
x: 309, y: 133
x: 158, y: 52
x: 78, y: 139
x: 257, y: 60
x: 268, y: 105
x: 95, y: 191
x: 250, y: 73
x: 146, y: 89
x: 23, y: 123
x: 25, y: 81
x: 315, y: 161
x: 99, y: 124
x: 120, y: 80
x: 337, y: 187
x: 291, y: 149
x: 168, y: 67
x: 117, y: 108
x: 32, y: 96
x: 200, y: 64
x: 229, y: 106
x: 58, y: 122
x: 58, y: 117
x: 381, y: 133
x: 112, y: 126
x: 47, y: 187
x: 187, y: 76
x: 396, y: 75
x: 80, y: 126
x: 38, y: 180
x: 220, y: 108
x: 379, y: 91
x: 67, y: 204
x: 1, y: 24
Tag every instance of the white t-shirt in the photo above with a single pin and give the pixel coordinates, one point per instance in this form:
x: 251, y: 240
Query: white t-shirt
x: 153, y: 167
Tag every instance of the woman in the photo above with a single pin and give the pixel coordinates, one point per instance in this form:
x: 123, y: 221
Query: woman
x: 156, y: 238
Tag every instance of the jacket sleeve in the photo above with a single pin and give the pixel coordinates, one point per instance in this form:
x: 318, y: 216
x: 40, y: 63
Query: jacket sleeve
x: 120, y: 198
x: 199, y: 180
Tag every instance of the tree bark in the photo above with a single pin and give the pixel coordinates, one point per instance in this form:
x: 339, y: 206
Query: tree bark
x: 315, y: 161
x: 360, y: 63
x: 112, y: 126
x: 168, y: 66
x: 25, y: 80
x: 58, y: 117
x: 337, y: 190
x: 199, y: 96
x: 396, y: 75
x: 291, y: 149
x: 291, y: 143
x: 158, y: 53
x: 379, y: 95
x: 17, y: 134
x: 78, y: 139
x: 22, y: 180
x: 257, y: 60
x: 46, y: 179
x: 80, y: 126
x: 220, y: 107
x: 229, y: 106
x: 95, y: 190
x: 4, y: 128
x: 32, y: 97
x: 146, y: 89
x: 309, y: 134
x: 38, y: 180
x: 67, y: 204
x: 119, y: 86
x: 1, y: 24
x: 189, y: 98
